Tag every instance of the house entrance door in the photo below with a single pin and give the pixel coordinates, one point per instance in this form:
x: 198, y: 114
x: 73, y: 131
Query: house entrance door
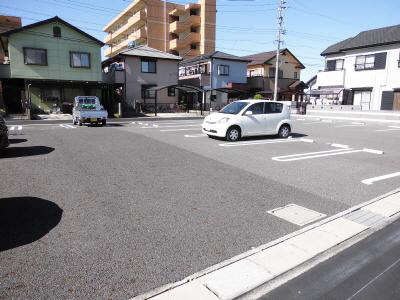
x: 396, y: 101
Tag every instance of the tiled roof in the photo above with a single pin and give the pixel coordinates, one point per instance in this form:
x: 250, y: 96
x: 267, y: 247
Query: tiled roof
x: 215, y: 54
x: 146, y: 51
x: 260, y: 58
x: 368, y: 38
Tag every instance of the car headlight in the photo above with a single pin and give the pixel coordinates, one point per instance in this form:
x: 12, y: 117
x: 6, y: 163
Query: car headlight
x: 223, y: 120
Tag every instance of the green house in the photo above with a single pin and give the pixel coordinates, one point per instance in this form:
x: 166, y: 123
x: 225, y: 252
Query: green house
x: 49, y: 63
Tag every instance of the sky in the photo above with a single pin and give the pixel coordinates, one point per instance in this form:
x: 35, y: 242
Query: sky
x: 243, y: 27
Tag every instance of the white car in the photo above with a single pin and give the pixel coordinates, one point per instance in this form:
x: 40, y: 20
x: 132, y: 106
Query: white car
x: 249, y: 118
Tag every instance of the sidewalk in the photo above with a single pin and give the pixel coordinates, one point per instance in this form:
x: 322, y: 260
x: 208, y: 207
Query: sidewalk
x: 252, y: 274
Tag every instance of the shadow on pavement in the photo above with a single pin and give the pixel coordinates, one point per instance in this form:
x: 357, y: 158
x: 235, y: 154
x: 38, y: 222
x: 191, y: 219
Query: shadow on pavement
x: 12, y: 152
x: 262, y: 137
x: 17, y: 141
x: 24, y: 220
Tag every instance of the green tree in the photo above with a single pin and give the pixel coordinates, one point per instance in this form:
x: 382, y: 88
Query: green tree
x: 258, y: 96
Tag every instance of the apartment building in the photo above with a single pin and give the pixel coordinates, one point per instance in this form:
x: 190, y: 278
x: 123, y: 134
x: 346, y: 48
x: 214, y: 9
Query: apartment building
x: 363, y: 71
x: 184, y: 30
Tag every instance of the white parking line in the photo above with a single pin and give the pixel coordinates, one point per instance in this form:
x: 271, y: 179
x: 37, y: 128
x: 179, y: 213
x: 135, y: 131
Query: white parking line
x: 12, y: 127
x: 370, y: 181
x: 180, y: 129
x: 350, y: 125
x: 389, y: 129
x: 357, y: 123
x: 300, y: 119
x: 171, y: 126
x: 196, y: 135
x: 67, y: 126
x: 311, y: 122
x: 339, y: 146
x: 307, y: 140
x: 310, y: 155
x: 327, y: 121
x: 250, y: 143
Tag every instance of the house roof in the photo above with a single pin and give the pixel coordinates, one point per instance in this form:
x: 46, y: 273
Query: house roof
x: 215, y: 54
x: 146, y: 51
x: 368, y: 38
x: 265, y: 57
x: 311, y: 80
x: 51, y: 20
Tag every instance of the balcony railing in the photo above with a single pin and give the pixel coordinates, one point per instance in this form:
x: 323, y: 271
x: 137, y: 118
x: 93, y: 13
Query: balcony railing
x: 182, y: 42
x: 186, y: 23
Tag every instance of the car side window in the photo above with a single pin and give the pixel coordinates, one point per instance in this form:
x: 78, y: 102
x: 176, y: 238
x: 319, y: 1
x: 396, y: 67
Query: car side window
x: 257, y: 108
x: 273, y: 108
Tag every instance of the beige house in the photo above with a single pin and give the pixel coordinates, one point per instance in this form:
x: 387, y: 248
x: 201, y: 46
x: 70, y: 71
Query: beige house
x: 185, y: 30
x: 135, y: 72
x: 261, y: 74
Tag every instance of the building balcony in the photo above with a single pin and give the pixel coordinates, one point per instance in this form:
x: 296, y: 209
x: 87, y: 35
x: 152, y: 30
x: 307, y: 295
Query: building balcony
x: 138, y: 35
x: 190, y: 38
x: 137, y: 20
x: 181, y: 26
x: 126, y: 13
x: 331, y: 78
x: 114, y: 76
x: 111, y: 51
x: 179, y: 11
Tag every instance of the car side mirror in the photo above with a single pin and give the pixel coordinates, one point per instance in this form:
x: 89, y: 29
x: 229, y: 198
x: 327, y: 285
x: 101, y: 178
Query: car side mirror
x: 248, y: 113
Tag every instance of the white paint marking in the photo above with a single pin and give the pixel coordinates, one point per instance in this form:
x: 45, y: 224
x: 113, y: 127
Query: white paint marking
x: 300, y: 119
x: 12, y: 127
x: 357, y: 123
x: 259, y: 142
x: 180, y: 129
x: 348, y: 125
x: 370, y: 181
x: 62, y: 125
x: 155, y: 125
x: 172, y: 126
x: 196, y: 135
x: 70, y: 126
x: 311, y: 123
x: 327, y: 121
x: 302, y: 156
x: 390, y: 129
x: 373, y: 151
x: 133, y: 122
x: 19, y: 127
x: 340, y: 146
x: 140, y: 123
x: 307, y: 140
x: 398, y: 127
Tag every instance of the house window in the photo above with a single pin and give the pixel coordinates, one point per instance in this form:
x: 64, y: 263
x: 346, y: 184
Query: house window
x: 79, y: 60
x: 365, y: 62
x: 56, y: 31
x: 334, y: 65
x: 295, y: 75
x: 146, y: 94
x: 203, y: 69
x: 272, y: 73
x: 223, y: 70
x: 34, y: 56
x: 193, y: 46
x: 171, y: 92
x: 149, y: 66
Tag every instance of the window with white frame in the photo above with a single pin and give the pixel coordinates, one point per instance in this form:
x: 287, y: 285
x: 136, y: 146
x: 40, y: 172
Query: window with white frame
x: 334, y: 65
x: 223, y: 70
x: 79, y: 60
x: 365, y: 62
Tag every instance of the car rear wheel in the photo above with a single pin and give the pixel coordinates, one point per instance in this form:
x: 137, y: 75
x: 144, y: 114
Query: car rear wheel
x: 233, y: 134
x: 284, y: 131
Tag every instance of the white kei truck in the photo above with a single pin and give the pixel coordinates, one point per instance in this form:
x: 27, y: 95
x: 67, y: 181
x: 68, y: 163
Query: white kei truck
x: 87, y: 109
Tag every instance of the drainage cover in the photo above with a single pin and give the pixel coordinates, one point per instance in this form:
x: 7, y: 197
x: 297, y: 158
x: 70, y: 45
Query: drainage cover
x: 296, y: 214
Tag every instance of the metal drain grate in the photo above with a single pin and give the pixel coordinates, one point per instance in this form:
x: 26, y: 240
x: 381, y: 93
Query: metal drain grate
x: 296, y: 214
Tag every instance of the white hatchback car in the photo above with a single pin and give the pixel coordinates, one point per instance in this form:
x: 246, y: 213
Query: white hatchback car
x: 249, y: 118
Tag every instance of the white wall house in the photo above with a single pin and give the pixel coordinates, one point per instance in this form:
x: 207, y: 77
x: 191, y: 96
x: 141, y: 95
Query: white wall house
x: 363, y: 71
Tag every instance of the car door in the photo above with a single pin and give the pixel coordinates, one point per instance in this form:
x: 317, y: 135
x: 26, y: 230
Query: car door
x: 253, y: 123
x: 273, y: 113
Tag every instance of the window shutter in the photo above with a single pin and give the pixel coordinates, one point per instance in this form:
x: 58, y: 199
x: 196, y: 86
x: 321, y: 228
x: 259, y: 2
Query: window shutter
x: 380, y: 61
x: 387, y: 100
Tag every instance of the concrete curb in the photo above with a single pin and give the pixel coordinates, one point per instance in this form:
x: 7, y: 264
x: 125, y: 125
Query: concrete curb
x: 240, y: 275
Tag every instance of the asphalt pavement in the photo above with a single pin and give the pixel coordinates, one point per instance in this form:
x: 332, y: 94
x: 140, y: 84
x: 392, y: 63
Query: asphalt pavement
x: 131, y: 207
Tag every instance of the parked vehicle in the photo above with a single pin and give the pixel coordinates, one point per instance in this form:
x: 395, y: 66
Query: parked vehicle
x: 4, y: 142
x: 87, y: 109
x: 249, y: 118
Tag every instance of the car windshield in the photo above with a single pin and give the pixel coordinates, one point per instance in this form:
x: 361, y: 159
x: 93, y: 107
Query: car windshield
x: 233, y: 108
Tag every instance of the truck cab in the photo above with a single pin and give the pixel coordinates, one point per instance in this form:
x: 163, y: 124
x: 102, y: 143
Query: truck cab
x: 87, y: 109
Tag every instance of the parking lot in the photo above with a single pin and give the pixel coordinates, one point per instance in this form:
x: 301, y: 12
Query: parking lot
x: 146, y: 203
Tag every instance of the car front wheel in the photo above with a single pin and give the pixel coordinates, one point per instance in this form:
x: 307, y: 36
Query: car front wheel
x: 284, y: 131
x: 233, y: 134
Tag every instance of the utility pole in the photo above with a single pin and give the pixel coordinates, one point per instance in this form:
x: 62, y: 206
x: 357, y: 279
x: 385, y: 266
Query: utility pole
x: 281, y: 32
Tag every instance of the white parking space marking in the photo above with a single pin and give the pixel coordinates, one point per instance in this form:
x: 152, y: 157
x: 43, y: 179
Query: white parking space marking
x: 327, y: 121
x: 172, y: 126
x: 350, y: 125
x: 196, y: 135
x: 180, y: 129
x: 390, y: 128
x: 296, y: 214
x: 252, y: 143
x: 307, y: 140
x: 12, y: 127
x: 315, y: 122
x: 300, y: 119
x: 370, y: 181
x: 357, y: 123
x: 310, y: 155
x: 67, y: 126
x: 339, y: 146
